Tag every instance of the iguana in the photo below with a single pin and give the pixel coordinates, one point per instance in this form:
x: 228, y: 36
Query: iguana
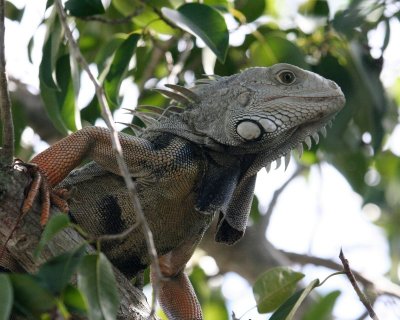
x: 190, y: 166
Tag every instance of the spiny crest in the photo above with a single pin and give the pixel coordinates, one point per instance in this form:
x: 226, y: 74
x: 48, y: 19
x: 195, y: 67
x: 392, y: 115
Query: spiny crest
x: 182, y: 99
x: 300, y: 148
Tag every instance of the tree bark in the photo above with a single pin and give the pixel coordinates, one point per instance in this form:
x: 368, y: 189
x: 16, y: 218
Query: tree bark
x: 20, y: 248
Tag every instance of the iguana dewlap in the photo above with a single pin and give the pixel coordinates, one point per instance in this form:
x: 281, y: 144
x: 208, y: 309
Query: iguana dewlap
x: 191, y: 166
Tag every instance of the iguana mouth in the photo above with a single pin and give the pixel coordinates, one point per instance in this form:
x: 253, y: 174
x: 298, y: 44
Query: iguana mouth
x: 299, y: 136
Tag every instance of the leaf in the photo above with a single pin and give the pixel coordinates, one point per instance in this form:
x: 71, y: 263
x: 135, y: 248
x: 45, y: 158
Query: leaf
x: 66, y: 94
x: 50, y: 51
x: 318, y: 8
x: 255, y: 213
x: 47, y: 75
x: 252, y: 9
x: 50, y: 103
x: 104, y: 55
x: 84, y: 8
x: 276, y: 49
x: 118, y: 67
x: 57, y: 272
x: 149, y: 20
x: 6, y: 297
x: 289, y: 308
x: 74, y: 300
x: 97, y: 282
x: 29, y: 296
x: 221, y: 5
x: 322, y: 309
x: 19, y: 119
x: 274, y: 286
x: 56, y: 224
x: 204, y: 22
x: 92, y: 111
x: 49, y: 3
x: 13, y: 13
x: 60, y: 102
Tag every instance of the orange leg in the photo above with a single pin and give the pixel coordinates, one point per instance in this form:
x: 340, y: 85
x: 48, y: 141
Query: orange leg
x: 176, y: 294
x: 178, y: 299
x: 52, y: 165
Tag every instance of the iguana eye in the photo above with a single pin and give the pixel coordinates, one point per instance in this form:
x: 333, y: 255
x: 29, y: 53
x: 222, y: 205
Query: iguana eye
x: 286, y: 77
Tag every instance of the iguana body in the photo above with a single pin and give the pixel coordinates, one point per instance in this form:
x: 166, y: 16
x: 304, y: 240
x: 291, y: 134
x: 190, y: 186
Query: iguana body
x: 191, y: 166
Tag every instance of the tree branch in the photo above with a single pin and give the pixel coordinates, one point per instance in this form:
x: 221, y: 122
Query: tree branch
x: 262, y: 226
x: 7, y: 150
x: 381, y: 286
x: 360, y: 294
x: 106, y: 113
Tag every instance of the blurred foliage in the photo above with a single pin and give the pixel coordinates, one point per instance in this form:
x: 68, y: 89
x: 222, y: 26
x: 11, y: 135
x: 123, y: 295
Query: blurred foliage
x: 170, y: 40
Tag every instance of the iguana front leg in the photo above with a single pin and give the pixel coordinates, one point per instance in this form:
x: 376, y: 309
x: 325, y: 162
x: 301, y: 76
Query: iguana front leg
x: 94, y: 143
x: 54, y: 164
x: 176, y: 294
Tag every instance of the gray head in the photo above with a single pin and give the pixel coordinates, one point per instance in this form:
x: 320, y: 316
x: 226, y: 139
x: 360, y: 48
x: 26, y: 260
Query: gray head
x: 258, y: 110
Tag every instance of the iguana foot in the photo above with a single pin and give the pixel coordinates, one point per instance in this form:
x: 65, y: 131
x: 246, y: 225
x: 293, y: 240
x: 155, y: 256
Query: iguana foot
x: 41, y: 186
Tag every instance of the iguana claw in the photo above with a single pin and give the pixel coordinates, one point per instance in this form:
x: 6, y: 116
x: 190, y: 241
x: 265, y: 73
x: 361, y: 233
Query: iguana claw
x: 41, y: 186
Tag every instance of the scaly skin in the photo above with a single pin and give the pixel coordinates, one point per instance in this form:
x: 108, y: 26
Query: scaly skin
x: 191, y: 166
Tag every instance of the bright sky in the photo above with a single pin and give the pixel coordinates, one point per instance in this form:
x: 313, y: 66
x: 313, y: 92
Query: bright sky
x: 318, y: 215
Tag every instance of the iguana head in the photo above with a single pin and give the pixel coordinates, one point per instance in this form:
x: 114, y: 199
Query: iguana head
x: 260, y: 110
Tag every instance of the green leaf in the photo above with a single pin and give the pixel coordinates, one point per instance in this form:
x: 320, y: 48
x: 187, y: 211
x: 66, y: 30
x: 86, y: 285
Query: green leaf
x: 66, y: 94
x: 51, y: 105
x: 50, y: 51
x: 322, y: 310
x: 6, y: 297
x: 276, y: 49
x: 74, y: 300
x: 251, y: 9
x: 13, y: 13
x: 287, y: 310
x: 318, y: 8
x: 215, y: 309
x: 60, y: 102
x: 92, y: 111
x: 84, y: 8
x: 204, y: 22
x: 49, y: 3
x: 255, y: 213
x: 274, y: 286
x: 222, y: 5
x: 149, y: 20
x: 107, y: 50
x: 30, y: 297
x: 97, y: 282
x: 119, y: 66
x: 56, y: 224
x: 57, y: 272
x: 19, y: 115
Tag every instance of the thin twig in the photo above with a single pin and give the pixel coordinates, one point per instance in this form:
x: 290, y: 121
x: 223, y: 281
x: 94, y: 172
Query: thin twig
x: 159, y: 13
x: 106, y: 113
x: 156, y: 55
x: 177, y: 68
x: 7, y: 149
x: 363, y: 316
x: 360, y: 294
x: 381, y: 286
x: 122, y: 20
x: 263, y: 224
